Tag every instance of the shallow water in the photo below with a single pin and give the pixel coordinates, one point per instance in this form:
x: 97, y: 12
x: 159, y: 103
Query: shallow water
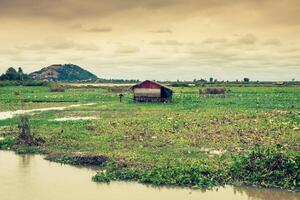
x: 30, y: 177
x: 72, y: 119
x: 11, y: 114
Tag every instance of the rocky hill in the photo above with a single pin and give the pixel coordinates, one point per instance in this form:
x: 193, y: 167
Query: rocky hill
x: 66, y: 72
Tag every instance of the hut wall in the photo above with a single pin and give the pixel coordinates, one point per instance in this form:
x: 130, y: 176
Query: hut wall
x: 149, y: 91
x: 146, y: 92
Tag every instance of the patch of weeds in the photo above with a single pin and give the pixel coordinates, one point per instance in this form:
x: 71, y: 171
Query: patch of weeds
x: 190, y: 175
x: 28, y: 150
x: 55, y: 87
x: 89, y: 160
x: 25, y: 136
x: 268, y: 167
x: 7, y: 142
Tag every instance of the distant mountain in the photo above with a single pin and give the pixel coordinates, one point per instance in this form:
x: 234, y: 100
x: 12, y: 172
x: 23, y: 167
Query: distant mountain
x: 66, y: 72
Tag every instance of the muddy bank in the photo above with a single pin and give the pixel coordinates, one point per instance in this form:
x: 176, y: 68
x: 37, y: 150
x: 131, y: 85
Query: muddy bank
x: 86, y: 160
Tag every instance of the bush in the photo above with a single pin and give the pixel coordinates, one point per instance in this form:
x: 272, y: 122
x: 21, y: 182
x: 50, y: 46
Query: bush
x: 183, y: 175
x: 6, y: 143
x: 89, y: 160
x: 268, y: 167
x: 117, y: 89
x: 25, y: 137
x: 23, y: 83
x: 213, y: 91
x: 55, y: 87
x: 179, y: 84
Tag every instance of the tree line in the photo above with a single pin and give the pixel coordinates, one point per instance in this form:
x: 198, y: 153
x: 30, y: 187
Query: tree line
x: 12, y: 74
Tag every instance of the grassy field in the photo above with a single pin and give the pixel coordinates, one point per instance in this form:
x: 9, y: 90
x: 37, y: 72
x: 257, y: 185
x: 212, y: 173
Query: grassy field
x: 203, y: 132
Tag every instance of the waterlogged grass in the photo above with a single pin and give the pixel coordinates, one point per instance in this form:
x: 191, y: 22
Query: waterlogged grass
x: 268, y: 167
x: 197, y: 137
x: 193, y: 175
x: 7, y: 142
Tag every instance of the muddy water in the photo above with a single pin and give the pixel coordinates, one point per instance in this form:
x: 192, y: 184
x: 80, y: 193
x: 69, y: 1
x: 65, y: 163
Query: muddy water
x: 11, y: 114
x: 32, y: 178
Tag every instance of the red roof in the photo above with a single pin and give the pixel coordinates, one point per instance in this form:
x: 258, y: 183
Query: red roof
x: 150, y: 84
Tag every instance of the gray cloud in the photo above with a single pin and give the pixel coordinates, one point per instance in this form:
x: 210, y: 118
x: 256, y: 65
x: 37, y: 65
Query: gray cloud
x: 22, y: 58
x: 167, y: 43
x: 161, y: 31
x: 290, y: 50
x: 9, y: 51
x: 76, y: 26
x: 272, y: 42
x: 247, y: 39
x: 92, y: 30
x: 60, y: 44
x: 66, y: 9
x: 126, y: 49
x: 98, y: 29
x: 214, y: 40
x: 270, y: 11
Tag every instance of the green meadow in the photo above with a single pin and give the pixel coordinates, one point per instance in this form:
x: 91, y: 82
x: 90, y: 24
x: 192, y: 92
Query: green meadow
x: 197, y: 140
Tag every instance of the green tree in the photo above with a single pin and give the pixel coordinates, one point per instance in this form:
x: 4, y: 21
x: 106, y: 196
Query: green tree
x: 20, y: 74
x: 3, y: 77
x: 246, y: 80
x: 12, y: 74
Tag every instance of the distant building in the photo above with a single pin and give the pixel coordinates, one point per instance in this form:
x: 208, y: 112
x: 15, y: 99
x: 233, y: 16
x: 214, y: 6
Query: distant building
x: 279, y: 83
x: 150, y: 91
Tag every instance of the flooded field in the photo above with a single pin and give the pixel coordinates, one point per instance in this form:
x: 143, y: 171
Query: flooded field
x: 30, y: 177
x: 11, y: 114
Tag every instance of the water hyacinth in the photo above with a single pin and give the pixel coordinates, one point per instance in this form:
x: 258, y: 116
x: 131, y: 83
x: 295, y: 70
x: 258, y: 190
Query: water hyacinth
x: 183, y: 175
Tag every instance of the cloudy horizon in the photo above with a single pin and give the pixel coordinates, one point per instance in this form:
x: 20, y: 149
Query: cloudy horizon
x: 154, y: 39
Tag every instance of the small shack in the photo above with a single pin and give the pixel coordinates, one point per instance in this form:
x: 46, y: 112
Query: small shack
x: 150, y: 91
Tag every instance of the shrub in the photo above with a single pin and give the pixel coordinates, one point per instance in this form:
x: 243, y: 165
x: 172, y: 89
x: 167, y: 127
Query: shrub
x: 89, y: 160
x: 6, y: 143
x: 267, y: 167
x: 23, y: 83
x: 55, y: 87
x: 25, y: 137
x: 213, y: 91
x: 179, y: 84
x: 117, y: 89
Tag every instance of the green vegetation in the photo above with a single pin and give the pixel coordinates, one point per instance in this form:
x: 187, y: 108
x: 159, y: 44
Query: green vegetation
x: 56, y: 87
x: 212, y: 90
x: 13, y: 75
x: 195, y: 175
x: 268, y: 167
x: 197, y: 140
x: 7, y: 142
x: 25, y: 136
x: 90, y: 160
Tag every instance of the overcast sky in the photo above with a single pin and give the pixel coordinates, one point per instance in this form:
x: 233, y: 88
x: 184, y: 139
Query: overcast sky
x: 155, y: 39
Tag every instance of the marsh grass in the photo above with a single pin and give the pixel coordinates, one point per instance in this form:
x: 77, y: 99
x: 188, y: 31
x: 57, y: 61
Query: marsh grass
x: 150, y: 137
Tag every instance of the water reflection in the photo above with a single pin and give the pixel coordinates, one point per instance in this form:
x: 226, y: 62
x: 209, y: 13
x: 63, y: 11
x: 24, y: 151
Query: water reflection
x: 24, y: 161
x: 32, y: 178
x: 262, y: 194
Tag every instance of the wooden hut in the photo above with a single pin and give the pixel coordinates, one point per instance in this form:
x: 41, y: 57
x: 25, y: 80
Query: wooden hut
x: 150, y: 91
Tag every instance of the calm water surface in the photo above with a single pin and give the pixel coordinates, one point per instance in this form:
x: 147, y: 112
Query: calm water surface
x: 32, y: 178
